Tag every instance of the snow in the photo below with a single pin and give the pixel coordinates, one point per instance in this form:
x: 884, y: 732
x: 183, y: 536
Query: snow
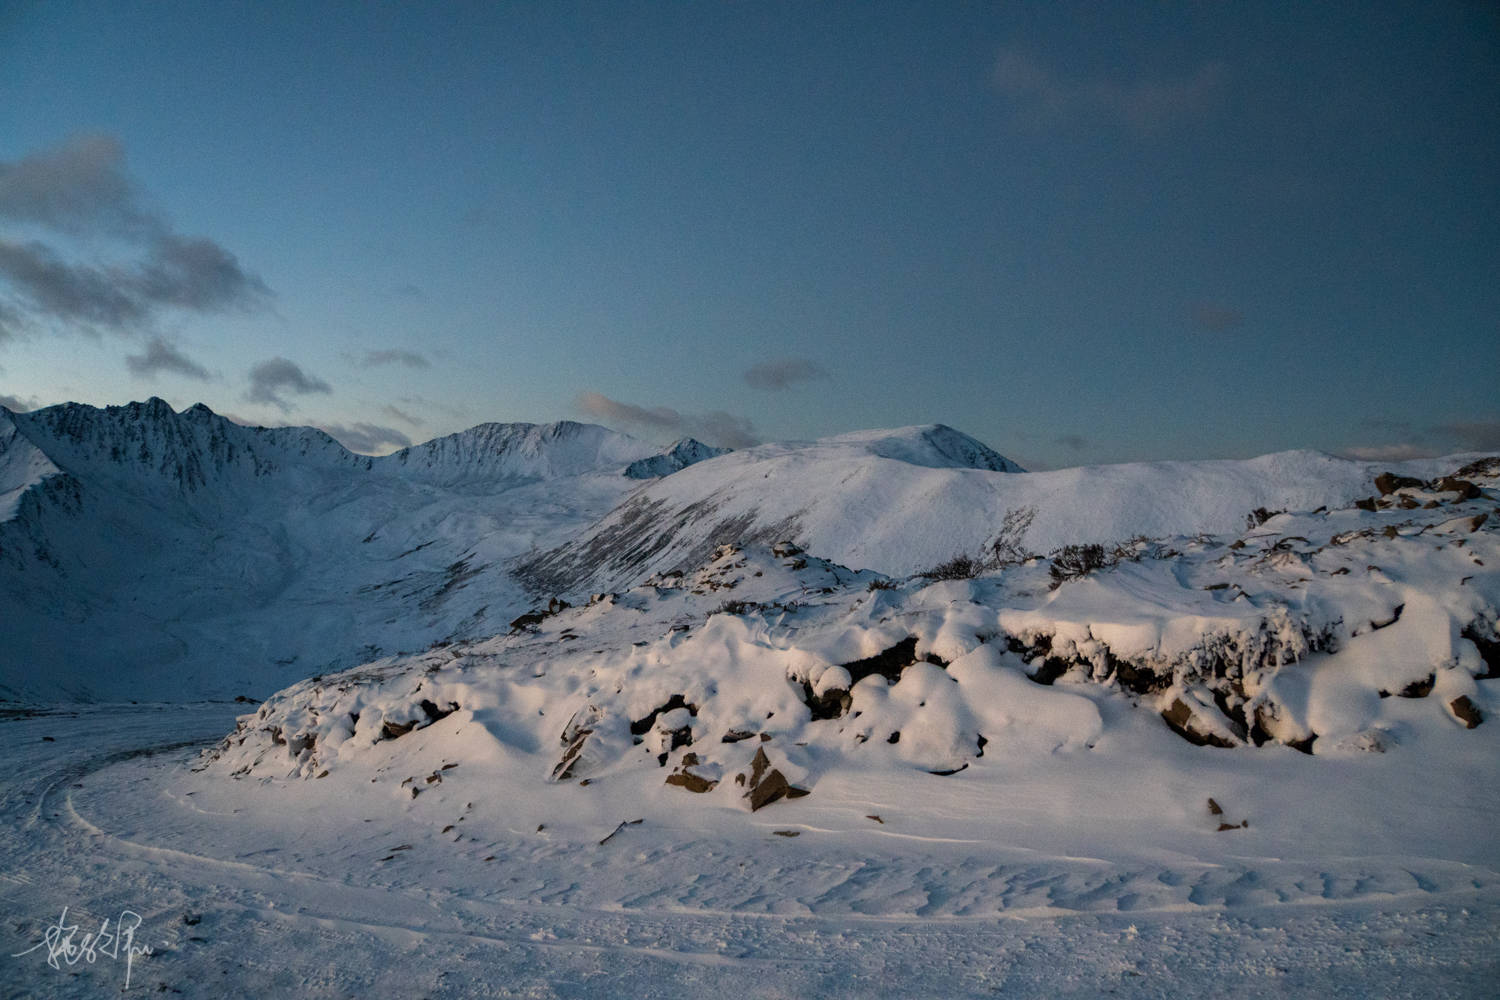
x: 1244, y: 758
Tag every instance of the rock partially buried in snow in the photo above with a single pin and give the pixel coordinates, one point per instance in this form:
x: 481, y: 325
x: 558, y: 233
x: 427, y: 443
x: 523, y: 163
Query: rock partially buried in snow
x: 765, y: 784
x: 1465, y: 711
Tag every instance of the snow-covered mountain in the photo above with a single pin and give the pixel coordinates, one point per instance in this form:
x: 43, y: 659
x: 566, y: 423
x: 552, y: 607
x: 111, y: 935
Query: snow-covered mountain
x: 905, y: 500
x: 146, y: 553
x: 684, y: 453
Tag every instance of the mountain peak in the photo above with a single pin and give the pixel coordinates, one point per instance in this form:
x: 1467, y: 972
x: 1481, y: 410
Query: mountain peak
x: 935, y: 446
x: 687, y: 451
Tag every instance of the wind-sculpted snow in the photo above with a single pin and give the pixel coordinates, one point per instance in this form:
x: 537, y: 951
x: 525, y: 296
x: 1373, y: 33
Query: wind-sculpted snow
x: 1359, y: 629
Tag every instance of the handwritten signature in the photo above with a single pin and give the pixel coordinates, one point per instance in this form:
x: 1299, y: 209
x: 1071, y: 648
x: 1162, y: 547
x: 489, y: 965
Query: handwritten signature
x: 65, y: 946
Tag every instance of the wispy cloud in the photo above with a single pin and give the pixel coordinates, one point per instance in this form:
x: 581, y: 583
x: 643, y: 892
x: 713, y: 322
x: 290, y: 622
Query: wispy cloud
x: 715, y: 427
x: 272, y: 380
x: 1400, y: 452
x: 367, y: 439
x: 81, y: 190
x: 393, y: 356
x: 161, y: 356
x: 401, y: 415
x: 784, y: 372
x: 1044, y: 96
x: 1407, y: 442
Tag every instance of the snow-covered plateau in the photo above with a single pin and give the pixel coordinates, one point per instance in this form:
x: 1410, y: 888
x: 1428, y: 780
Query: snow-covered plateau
x: 565, y: 714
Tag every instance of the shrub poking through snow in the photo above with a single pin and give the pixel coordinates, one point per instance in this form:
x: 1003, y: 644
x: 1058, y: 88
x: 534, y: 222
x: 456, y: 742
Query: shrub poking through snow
x: 1074, y: 562
x: 960, y: 567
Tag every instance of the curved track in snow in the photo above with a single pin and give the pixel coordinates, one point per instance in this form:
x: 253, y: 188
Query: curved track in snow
x: 236, y: 898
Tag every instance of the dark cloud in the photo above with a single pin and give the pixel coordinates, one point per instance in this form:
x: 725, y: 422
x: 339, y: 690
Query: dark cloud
x: 80, y: 189
x: 75, y: 294
x: 19, y: 404
x: 1074, y: 441
x: 410, y: 291
x: 401, y: 415
x: 1212, y: 318
x: 197, y: 274
x: 271, y: 380
x: 780, y: 374
x: 394, y: 356
x: 1044, y: 96
x: 367, y: 439
x: 715, y: 427
x: 161, y: 356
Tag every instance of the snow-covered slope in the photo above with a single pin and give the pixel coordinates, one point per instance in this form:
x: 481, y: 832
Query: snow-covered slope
x: 906, y: 500
x: 491, y: 453
x: 766, y: 672
x: 22, y: 466
x: 150, y: 554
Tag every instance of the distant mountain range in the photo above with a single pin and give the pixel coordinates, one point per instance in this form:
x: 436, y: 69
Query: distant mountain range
x: 147, y: 553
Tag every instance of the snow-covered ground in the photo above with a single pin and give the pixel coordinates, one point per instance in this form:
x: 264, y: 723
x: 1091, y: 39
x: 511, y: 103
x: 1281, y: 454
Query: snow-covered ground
x: 1030, y: 881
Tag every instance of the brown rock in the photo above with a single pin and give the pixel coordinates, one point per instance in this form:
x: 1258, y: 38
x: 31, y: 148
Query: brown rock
x: 1184, y: 721
x: 1452, y: 484
x: 1389, y: 482
x: 1466, y: 711
x: 765, y: 784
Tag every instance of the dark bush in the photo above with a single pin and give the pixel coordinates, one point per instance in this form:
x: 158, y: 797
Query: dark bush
x: 1073, y: 562
x: 960, y: 567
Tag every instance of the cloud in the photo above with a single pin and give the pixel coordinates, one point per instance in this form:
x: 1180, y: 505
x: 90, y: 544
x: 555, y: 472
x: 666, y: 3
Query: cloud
x: 161, y: 356
x: 401, y: 415
x: 1402, y: 452
x: 1427, y: 442
x: 19, y: 404
x: 776, y: 375
x: 1075, y: 441
x: 393, y: 356
x: 715, y: 427
x: 272, y: 379
x: 75, y: 294
x: 1043, y: 96
x: 367, y: 439
x: 80, y: 190
x: 1472, y: 435
x: 1212, y: 318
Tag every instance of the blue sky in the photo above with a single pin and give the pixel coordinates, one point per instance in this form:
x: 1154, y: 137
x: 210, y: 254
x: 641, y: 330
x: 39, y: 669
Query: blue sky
x: 1082, y: 233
